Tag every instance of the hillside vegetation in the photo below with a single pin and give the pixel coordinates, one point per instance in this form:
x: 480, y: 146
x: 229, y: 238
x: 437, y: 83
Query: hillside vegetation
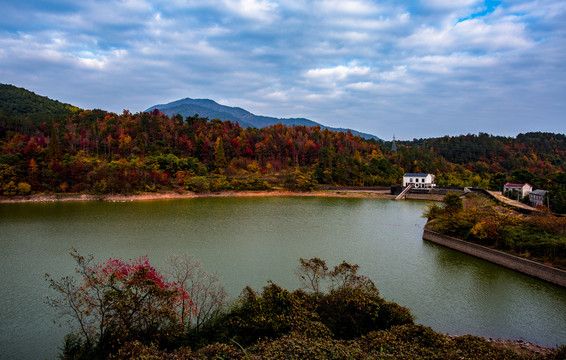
x: 100, y: 152
x: 540, y: 236
x: 128, y: 310
x: 20, y: 109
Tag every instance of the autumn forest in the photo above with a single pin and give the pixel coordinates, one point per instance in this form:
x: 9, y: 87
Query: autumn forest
x: 48, y: 146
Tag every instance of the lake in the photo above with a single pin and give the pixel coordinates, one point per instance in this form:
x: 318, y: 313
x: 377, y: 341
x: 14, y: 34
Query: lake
x: 249, y: 241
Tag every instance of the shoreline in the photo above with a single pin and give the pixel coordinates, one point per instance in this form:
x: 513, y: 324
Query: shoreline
x: 171, y: 195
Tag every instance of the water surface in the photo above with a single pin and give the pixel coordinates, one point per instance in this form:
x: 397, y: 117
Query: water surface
x: 249, y: 241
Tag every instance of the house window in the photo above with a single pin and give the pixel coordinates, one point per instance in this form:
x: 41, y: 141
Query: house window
x: 411, y: 180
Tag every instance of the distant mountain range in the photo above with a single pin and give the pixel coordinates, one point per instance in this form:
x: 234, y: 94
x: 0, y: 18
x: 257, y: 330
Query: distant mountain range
x: 212, y: 110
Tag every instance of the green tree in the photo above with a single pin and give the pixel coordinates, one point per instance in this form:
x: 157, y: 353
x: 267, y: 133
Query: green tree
x: 7, y: 180
x: 497, y: 181
x: 219, y: 155
x: 452, y: 202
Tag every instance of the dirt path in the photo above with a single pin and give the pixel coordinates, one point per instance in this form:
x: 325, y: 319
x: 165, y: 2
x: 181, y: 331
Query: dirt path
x: 498, y: 196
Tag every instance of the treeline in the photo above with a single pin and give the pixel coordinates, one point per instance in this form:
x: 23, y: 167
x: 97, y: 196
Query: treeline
x: 48, y: 146
x: 102, y: 152
x: 536, y: 152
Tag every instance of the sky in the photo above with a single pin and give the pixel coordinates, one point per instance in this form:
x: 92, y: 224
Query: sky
x: 403, y: 68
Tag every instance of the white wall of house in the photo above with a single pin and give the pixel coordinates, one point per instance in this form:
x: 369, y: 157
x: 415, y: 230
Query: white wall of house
x: 420, y: 180
x: 523, y: 189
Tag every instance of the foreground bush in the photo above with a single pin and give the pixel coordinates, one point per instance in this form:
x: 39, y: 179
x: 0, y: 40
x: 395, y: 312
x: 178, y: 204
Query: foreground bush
x: 407, y: 342
x: 140, y: 315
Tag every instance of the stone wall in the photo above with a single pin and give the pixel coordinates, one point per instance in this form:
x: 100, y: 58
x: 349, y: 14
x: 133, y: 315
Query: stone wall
x: 547, y: 273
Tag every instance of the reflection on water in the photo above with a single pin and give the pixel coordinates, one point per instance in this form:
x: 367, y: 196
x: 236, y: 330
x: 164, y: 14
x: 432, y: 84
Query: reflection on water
x: 249, y: 241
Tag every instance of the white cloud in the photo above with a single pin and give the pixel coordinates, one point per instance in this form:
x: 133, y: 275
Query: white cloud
x: 134, y: 5
x: 277, y: 95
x: 380, y: 23
x: 538, y: 8
x: 451, y: 4
x: 473, y: 34
x: 348, y: 7
x: 382, y: 89
x: 262, y: 10
x: 339, y: 72
x: 398, y: 73
x: 362, y: 85
x: 442, y: 64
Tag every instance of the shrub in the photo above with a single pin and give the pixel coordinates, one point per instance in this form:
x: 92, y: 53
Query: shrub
x: 197, y: 184
x: 299, y: 181
x: 392, y: 314
x: 220, y: 184
x: 24, y: 188
x: 452, y: 202
x: 8, y: 188
x: 256, y: 183
x: 250, y: 184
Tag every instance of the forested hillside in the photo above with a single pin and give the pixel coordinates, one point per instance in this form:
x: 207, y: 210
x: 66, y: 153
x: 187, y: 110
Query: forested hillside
x: 19, y: 108
x: 536, y: 152
x: 96, y: 151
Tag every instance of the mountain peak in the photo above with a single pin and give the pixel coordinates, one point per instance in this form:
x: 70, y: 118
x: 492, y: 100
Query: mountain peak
x: 211, y: 109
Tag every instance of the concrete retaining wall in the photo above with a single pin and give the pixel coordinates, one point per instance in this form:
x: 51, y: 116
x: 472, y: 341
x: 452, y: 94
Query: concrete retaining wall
x: 547, y: 273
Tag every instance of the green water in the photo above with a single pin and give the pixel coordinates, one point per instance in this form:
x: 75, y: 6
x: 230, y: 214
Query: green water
x: 249, y: 241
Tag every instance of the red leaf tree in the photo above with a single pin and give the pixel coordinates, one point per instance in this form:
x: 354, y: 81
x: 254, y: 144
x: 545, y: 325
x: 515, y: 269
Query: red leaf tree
x: 119, y: 301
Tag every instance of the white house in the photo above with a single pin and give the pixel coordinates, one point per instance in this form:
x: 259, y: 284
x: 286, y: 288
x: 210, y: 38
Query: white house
x: 421, y: 181
x: 537, y: 197
x: 523, y: 189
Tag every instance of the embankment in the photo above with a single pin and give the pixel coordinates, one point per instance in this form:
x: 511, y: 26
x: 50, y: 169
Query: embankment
x: 187, y: 194
x: 543, y: 272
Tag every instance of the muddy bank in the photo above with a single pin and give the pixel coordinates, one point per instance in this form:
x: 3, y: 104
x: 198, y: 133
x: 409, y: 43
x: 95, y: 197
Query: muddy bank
x: 188, y: 195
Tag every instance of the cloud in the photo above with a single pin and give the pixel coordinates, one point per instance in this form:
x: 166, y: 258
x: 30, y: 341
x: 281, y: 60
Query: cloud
x: 471, y: 35
x: 337, y: 73
x: 356, y: 63
x: 442, y: 64
x: 451, y: 4
x: 262, y: 10
x: 347, y: 7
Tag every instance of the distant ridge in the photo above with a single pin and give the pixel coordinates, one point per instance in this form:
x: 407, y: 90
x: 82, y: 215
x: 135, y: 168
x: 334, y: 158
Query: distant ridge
x: 212, y: 110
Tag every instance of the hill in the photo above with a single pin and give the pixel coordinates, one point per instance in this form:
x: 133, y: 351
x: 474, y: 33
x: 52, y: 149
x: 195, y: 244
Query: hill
x: 212, y: 110
x: 20, y: 103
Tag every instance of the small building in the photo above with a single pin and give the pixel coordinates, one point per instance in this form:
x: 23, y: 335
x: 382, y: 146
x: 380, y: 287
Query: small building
x: 421, y: 181
x: 523, y: 189
x: 537, y: 197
